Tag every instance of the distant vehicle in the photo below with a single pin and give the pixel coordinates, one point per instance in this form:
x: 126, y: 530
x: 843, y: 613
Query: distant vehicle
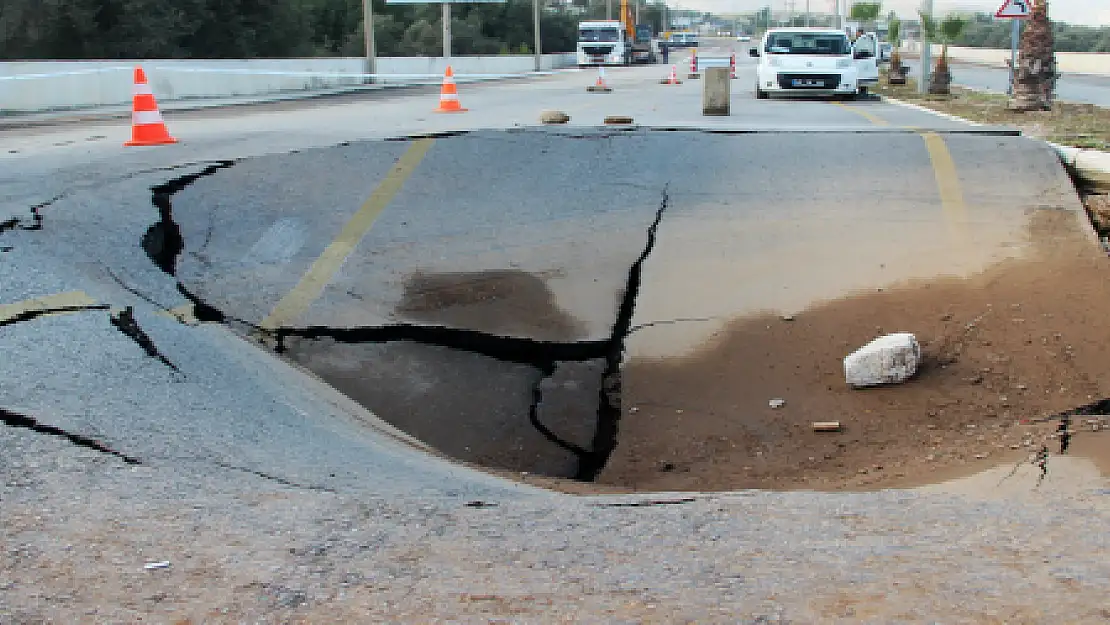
x: 885, y: 50
x: 814, y: 61
x: 683, y: 40
x: 615, y: 42
x: 744, y: 38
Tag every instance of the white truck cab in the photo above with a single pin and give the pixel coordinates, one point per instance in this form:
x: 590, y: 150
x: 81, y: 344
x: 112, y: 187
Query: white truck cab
x: 814, y: 61
x: 603, y: 43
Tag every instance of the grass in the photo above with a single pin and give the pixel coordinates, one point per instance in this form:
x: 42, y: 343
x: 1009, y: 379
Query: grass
x: 1078, y: 125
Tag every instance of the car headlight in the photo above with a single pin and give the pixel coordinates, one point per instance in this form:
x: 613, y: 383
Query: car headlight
x: 843, y: 63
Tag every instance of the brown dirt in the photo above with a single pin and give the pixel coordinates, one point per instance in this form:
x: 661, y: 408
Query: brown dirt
x: 1068, y: 123
x: 1023, y: 340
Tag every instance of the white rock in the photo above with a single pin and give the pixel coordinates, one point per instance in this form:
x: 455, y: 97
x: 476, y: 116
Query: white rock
x: 890, y: 359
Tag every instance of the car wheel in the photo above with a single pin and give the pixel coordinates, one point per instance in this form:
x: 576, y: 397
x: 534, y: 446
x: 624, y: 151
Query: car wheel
x: 760, y: 94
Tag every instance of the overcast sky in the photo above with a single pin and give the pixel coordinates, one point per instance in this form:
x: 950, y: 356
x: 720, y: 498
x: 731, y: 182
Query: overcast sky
x: 1090, y: 12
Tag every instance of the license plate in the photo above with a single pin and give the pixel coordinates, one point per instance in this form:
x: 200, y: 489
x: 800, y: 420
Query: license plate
x: 599, y: 59
x: 807, y: 82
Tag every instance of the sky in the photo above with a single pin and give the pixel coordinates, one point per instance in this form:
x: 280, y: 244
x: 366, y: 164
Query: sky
x: 1086, y: 12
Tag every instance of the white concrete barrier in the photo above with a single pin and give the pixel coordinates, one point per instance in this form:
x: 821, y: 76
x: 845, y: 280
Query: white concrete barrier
x: 36, y: 86
x: 1066, y: 62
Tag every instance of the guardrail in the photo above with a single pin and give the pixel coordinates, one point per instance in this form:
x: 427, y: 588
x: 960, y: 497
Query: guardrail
x: 1097, y: 63
x: 39, y: 86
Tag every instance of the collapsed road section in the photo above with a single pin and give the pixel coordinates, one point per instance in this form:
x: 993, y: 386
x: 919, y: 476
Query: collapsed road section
x: 510, y: 297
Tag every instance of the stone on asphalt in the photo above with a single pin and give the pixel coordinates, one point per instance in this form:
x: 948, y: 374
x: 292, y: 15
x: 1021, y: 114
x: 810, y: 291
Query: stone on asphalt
x: 890, y: 359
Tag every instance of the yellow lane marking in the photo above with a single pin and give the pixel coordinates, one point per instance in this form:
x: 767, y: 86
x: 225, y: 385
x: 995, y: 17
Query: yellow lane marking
x: 183, y: 313
x: 323, y: 270
x: 874, y: 119
x: 948, y: 184
x: 70, y: 299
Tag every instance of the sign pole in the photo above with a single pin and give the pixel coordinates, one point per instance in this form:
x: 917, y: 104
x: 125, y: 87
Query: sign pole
x: 536, y: 28
x: 368, y: 34
x: 447, y: 32
x: 1015, y: 34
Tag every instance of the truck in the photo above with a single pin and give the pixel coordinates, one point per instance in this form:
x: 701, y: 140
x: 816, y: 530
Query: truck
x: 615, y: 42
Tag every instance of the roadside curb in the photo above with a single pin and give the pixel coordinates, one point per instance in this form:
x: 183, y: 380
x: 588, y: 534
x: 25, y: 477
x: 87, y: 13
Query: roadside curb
x: 1091, y: 168
x: 38, y: 119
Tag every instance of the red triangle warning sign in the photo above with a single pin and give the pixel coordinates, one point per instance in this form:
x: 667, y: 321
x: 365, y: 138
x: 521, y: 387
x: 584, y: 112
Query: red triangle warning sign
x: 1015, y: 9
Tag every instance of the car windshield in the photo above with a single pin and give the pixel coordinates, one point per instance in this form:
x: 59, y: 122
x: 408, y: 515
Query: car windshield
x: 599, y: 34
x: 807, y: 43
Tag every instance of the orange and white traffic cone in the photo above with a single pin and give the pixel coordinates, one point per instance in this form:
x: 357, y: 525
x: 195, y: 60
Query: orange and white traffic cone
x: 449, y: 94
x: 147, y: 126
x: 673, y: 78
x: 600, y: 85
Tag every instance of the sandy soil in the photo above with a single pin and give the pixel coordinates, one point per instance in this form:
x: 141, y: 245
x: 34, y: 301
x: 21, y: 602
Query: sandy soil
x: 1024, y: 340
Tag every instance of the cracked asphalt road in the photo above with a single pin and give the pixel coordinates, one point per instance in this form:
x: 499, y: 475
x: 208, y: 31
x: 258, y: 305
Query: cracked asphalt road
x: 276, y: 498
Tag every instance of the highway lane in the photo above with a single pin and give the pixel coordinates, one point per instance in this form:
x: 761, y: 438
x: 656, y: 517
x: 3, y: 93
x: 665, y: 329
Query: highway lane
x: 1086, y: 89
x: 260, y: 481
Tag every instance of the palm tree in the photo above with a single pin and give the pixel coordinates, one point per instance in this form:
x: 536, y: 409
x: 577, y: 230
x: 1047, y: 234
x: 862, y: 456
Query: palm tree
x: 896, y: 75
x: 949, y: 29
x: 1035, y: 76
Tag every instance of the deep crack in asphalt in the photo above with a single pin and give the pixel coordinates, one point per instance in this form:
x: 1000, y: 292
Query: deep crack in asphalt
x: 164, y: 244
x: 16, y: 420
x: 125, y: 322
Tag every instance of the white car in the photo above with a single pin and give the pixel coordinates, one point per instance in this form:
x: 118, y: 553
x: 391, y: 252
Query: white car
x: 815, y: 61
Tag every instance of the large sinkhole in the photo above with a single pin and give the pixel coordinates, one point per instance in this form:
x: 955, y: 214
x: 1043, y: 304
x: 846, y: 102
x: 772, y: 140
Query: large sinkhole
x: 620, y: 307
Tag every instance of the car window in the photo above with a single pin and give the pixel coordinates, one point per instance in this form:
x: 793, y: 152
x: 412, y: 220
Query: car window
x: 807, y: 43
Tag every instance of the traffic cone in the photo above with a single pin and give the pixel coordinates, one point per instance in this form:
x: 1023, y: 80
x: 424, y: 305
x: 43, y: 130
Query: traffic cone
x: 449, y: 94
x: 694, y: 65
x: 599, y: 86
x: 673, y: 79
x: 147, y: 126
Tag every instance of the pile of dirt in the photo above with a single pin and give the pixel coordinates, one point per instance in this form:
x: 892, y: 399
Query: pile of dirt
x: 1024, y: 340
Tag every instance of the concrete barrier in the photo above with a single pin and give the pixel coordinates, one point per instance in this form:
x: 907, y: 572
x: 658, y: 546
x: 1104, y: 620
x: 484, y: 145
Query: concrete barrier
x: 60, y: 85
x: 1066, y: 62
x: 716, y: 91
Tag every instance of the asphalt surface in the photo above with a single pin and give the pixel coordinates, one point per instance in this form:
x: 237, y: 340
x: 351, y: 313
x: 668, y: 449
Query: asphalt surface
x: 302, y: 490
x: 1082, y: 88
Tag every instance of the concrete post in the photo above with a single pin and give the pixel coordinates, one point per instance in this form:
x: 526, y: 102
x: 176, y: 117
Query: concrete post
x: 716, y: 91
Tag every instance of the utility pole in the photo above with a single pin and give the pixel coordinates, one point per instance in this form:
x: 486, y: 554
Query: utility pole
x: 447, y: 32
x: 609, y: 9
x: 536, y: 28
x: 807, y: 13
x: 926, y: 49
x: 368, y: 37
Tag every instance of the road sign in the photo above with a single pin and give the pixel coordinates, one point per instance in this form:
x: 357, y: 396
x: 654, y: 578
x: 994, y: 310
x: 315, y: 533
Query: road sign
x: 1014, y: 9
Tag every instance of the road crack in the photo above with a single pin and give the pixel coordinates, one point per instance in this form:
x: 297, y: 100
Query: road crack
x: 125, y: 322
x: 164, y: 244
x: 29, y: 315
x: 16, y: 420
x: 274, y: 478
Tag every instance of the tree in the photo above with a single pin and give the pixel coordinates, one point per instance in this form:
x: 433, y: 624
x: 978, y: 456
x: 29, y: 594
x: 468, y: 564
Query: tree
x: 947, y: 31
x: 896, y: 76
x: 866, y: 12
x: 1035, y: 76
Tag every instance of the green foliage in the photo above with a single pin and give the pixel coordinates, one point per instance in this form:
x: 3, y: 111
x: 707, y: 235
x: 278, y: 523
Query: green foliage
x: 894, y: 30
x: 986, y: 32
x: 866, y: 11
x: 951, y: 27
x: 209, y: 29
